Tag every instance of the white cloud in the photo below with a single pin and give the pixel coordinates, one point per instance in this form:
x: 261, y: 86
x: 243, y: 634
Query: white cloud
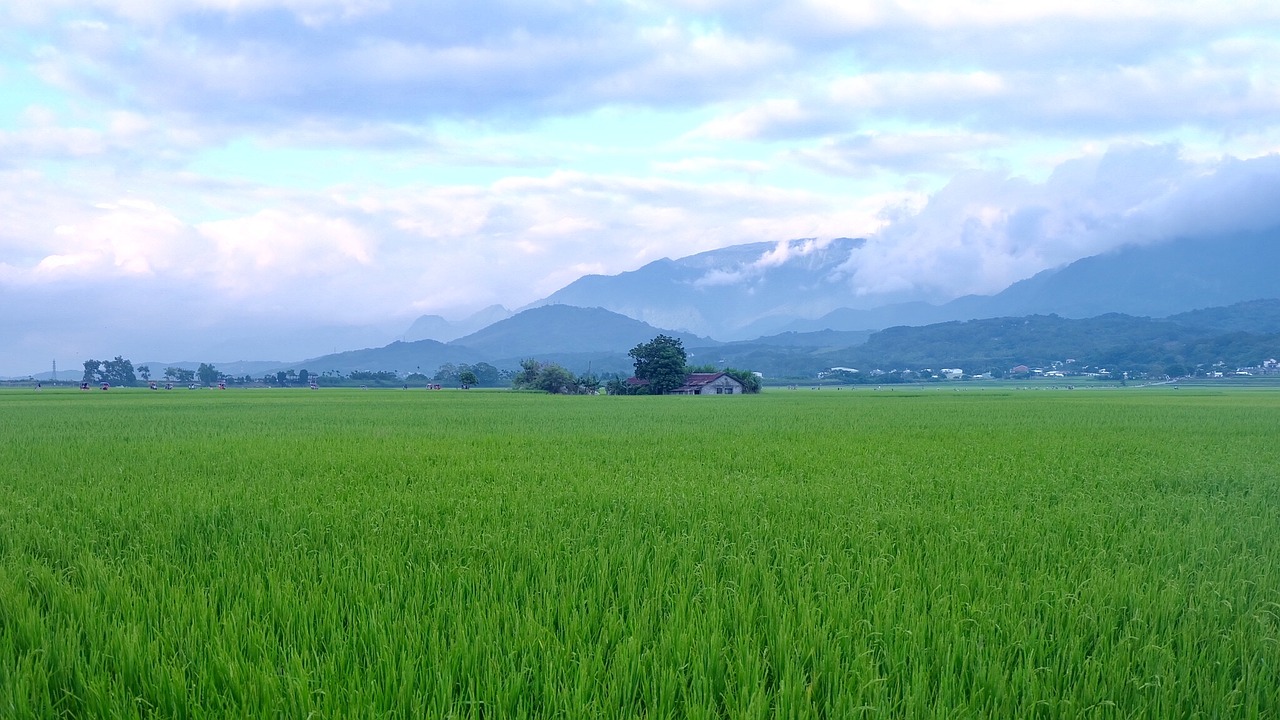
x: 252, y: 254
x: 782, y: 252
x: 698, y: 165
x: 933, y: 152
x: 985, y: 230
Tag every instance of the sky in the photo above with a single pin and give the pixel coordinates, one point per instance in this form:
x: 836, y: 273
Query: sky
x: 216, y: 180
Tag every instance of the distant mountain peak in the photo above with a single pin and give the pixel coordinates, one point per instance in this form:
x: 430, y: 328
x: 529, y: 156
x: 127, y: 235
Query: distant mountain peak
x: 436, y: 327
x: 560, y: 328
x: 720, y: 292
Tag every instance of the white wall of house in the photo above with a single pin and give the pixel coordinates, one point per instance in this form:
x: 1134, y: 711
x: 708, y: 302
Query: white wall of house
x: 722, y: 386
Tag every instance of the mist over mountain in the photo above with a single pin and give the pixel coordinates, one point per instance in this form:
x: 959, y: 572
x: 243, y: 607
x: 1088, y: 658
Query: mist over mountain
x: 436, y: 327
x: 748, y: 291
x: 1152, y: 280
x: 733, y: 292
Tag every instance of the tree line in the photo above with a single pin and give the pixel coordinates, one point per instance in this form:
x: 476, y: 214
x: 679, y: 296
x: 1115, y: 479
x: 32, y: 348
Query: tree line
x: 661, y: 365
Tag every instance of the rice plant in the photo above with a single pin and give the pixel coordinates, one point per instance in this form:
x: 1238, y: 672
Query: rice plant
x: 489, y: 554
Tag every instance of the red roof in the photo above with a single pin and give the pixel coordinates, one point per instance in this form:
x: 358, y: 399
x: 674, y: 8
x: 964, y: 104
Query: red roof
x: 699, y: 379
x: 692, y: 381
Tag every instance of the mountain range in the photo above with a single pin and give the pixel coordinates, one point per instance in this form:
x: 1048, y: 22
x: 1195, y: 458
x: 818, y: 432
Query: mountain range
x: 790, y: 309
x: 597, y: 340
x: 747, y: 291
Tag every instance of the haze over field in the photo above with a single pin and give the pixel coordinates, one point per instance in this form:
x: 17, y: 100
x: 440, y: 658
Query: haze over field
x: 279, y: 179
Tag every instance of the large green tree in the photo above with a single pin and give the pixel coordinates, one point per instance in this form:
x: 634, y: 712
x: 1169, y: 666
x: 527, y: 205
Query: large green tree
x: 182, y: 375
x: 548, y: 377
x: 660, y: 362
x: 486, y: 374
x: 92, y: 371
x: 555, y: 380
x: 207, y: 373
x: 118, y: 372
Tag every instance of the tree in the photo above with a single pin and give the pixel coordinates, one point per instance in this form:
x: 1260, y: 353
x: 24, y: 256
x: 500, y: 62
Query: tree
x: 588, y: 384
x: 92, y: 371
x: 486, y: 374
x: 144, y: 371
x: 207, y: 373
x: 555, y: 379
x: 179, y: 374
x: 467, y: 378
x: 447, y: 373
x: 550, y: 378
x: 618, y: 386
x: 661, y: 362
x: 750, y: 381
x: 378, y: 376
x: 118, y: 372
x: 304, y: 377
x: 528, y: 375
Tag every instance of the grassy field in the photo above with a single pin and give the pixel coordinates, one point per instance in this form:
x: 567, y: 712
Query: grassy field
x: 793, y: 554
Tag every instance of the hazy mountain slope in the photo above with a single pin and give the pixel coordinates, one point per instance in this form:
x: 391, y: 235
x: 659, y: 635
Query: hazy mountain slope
x: 1152, y: 280
x: 718, y: 293
x: 405, y: 357
x: 747, y: 291
x: 1031, y: 338
x: 816, y: 339
x: 436, y: 327
x: 1114, y: 340
x: 541, y: 331
x: 1254, y: 316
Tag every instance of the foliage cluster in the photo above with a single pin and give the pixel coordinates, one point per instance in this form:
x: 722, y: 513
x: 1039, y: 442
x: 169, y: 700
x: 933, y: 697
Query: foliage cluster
x: 661, y: 365
x: 554, y: 379
x: 480, y: 374
x: 117, y: 371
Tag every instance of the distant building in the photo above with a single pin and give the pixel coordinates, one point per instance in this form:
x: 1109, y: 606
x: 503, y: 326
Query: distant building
x: 709, y: 384
x: 701, y: 384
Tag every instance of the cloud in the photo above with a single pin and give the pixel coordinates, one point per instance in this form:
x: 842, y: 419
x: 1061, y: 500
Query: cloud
x: 262, y: 61
x: 1162, y: 95
x: 781, y: 253
x: 986, y: 230
x: 364, y: 257
x: 698, y: 165
x: 864, y: 153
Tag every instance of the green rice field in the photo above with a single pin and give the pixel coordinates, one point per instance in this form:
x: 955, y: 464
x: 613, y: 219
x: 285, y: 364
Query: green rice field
x: 911, y: 553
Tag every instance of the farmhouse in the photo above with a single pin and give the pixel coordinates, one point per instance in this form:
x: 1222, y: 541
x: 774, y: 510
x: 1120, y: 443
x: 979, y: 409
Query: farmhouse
x: 701, y: 384
x: 709, y: 384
